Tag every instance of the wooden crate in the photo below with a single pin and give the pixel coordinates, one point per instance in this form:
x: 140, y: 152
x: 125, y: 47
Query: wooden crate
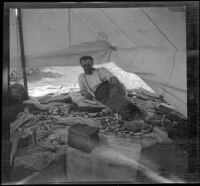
x: 83, y: 137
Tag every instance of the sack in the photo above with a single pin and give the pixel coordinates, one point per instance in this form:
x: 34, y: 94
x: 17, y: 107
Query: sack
x: 102, y: 92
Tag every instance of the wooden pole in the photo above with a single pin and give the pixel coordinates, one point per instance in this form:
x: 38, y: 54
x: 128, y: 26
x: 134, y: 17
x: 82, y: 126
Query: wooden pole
x: 5, y: 126
x: 6, y: 56
x: 22, y: 49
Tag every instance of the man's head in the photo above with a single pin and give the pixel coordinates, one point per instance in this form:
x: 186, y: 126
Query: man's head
x: 87, y: 64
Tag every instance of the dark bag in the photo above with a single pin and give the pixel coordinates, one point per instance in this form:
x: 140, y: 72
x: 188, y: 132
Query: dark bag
x: 102, y: 92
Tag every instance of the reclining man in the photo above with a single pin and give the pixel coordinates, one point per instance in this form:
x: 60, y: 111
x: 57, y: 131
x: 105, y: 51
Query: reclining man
x: 102, y: 85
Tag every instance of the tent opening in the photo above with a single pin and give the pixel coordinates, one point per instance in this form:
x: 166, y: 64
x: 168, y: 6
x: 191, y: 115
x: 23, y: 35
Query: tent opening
x: 57, y: 80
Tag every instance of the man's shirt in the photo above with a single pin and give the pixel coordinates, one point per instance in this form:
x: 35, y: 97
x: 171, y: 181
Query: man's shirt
x: 92, y: 81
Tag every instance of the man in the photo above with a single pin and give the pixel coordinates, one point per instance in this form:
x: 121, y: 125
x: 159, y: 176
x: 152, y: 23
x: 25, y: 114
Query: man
x: 102, y: 85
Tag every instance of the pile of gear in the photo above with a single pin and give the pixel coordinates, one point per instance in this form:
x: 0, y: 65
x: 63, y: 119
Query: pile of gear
x: 112, y: 123
x: 48, y: 128
x: 41, y: 123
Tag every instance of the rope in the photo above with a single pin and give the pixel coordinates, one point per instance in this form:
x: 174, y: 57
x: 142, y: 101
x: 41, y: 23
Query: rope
x: 69, y: 30
x: 162, y: 122
x: 135, y: 44
x: 83, y: 22
x: 159, y: 29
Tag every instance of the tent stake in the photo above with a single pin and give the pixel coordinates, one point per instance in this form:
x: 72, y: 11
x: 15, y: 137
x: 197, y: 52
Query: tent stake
x: 22, y: 49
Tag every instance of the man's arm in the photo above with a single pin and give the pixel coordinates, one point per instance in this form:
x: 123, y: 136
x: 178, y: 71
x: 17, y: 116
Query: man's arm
x: 114, y: 81
x: 83, y: 88
x: 86, y: 94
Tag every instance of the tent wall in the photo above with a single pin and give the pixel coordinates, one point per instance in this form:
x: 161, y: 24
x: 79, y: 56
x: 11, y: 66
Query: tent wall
x: 47, y: 31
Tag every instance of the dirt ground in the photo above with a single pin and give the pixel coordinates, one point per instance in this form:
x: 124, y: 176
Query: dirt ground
x: 169, y: 161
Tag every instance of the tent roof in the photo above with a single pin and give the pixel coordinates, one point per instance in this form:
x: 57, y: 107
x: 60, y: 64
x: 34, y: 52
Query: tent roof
x: 50, y: 30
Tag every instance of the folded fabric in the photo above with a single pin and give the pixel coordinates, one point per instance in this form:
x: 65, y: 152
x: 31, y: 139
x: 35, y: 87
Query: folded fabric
x: 35, y: 103
x: 22, y: 118
x: 169, y: 109
x: 60, y: 98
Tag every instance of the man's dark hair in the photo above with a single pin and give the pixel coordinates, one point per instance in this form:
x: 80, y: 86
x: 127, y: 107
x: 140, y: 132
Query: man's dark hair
x: 84, y: 58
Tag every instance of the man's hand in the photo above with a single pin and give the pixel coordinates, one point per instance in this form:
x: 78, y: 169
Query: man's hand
x: 86, y: 94
x: 115, y: 81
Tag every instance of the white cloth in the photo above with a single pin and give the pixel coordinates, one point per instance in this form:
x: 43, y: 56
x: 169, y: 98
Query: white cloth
x: 93, y: 80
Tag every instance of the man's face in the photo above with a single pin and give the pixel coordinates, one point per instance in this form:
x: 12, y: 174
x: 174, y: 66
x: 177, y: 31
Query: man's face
x: 87, y: 66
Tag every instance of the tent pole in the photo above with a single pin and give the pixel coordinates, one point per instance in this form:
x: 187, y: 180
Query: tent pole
x: 6, y: 56
x: 22, y: 49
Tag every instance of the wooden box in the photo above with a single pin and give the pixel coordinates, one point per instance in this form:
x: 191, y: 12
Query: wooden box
x: 83, y: 137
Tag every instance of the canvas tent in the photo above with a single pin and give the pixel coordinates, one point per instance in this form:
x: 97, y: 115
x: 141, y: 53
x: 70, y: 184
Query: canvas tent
x: 150, y: 42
